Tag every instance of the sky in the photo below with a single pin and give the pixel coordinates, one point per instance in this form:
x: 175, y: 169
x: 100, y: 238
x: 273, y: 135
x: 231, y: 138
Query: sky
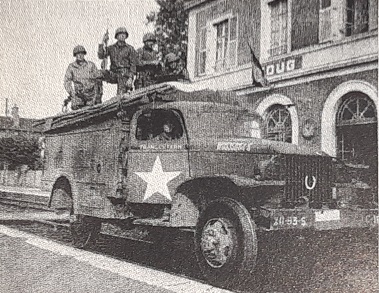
x: 37, y: 39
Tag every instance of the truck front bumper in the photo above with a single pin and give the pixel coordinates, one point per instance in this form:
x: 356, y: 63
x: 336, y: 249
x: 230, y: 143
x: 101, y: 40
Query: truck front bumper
x: 319, y: 219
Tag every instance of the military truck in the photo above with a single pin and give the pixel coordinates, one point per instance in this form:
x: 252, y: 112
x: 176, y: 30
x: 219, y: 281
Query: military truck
x: 171, y: 159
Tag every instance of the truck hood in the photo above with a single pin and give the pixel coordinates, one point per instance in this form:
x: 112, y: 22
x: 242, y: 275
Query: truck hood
x: 257, y: 145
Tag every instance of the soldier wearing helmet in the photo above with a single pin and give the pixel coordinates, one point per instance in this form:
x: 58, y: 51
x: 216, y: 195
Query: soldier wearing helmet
x: 174, y: 68
x: 123, y: 61
x: 82, y: 81
x: 148, y: 62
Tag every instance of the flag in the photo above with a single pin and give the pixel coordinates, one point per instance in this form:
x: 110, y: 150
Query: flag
x: 257, y: 74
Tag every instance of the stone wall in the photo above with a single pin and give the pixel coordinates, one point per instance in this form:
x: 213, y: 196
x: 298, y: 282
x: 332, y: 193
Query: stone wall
x: 21, y: 178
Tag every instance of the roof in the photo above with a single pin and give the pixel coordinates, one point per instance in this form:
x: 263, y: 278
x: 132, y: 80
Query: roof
x: 26, y: 124
x: 193, y: 3
x: 131, y: 102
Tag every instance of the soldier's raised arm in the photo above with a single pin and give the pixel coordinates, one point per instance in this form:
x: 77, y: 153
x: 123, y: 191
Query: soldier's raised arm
x: 103, y: 48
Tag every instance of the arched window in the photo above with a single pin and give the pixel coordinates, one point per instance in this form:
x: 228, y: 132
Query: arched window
x: 356, y: 123
x: 278, y: 124
x: 356, y: 108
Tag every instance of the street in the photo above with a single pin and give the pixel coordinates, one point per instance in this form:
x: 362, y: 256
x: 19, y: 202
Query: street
x: 33, y: 264
x: 41, y: 259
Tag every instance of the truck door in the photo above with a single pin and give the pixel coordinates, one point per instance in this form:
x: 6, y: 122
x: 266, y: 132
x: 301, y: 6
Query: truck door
x: 158, y: 156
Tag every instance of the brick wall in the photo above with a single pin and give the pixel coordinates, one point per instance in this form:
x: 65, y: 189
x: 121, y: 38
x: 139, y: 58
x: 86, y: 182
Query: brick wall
x: 309, y: 98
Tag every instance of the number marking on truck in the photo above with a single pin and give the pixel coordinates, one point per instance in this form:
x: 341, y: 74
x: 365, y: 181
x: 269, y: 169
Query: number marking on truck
x: 289, y: 221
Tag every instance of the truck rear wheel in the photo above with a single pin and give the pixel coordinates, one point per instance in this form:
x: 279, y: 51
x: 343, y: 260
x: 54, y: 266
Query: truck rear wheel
x: 85, y: 230
x: 226, y: 242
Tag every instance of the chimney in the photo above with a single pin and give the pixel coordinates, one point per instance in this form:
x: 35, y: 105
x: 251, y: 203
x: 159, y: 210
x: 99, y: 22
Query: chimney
x: 15, y: 116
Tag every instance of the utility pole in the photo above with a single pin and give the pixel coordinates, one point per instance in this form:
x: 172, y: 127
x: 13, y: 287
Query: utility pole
x: 6, y: 107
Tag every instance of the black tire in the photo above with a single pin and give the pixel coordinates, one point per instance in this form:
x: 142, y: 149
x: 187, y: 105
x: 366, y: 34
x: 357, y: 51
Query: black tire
x: 226, y: 243
x: 85, y: 230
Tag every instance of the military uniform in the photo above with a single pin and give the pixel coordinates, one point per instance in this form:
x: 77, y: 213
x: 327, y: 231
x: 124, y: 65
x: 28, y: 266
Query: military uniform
x: 148, y: 65
x: 123, y: 63
x: 87, y: 89
x: 174, y: 69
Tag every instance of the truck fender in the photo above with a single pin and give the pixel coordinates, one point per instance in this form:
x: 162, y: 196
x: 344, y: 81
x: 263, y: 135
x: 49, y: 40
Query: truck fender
x: 192, y: 196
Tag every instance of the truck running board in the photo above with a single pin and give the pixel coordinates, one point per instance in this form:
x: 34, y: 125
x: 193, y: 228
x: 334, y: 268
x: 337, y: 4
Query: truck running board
x: 152, y: 222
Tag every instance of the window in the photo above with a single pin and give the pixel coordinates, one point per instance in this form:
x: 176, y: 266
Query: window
x: 159, y: 125
x: 325, y: 22
x: 201, y: 43
x: 216, y: 43
x: 356, y: 129
x: 356, y: 17
x: 357, y: 139
x: 222, y: 44
x: 203, y: 50
x: 279, y: 27
x: 278, y: 125
x: 226, y: 44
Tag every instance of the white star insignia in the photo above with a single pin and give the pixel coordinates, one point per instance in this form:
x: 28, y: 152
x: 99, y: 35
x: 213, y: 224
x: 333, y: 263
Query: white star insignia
x: 157, y: 180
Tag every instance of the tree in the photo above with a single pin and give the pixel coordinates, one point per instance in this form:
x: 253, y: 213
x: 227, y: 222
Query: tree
x: 171, y: 27
x: 19, y: 150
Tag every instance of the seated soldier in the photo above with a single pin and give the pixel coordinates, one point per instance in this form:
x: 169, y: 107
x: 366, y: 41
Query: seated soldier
x: 174, y: 69
x: 168, y: 132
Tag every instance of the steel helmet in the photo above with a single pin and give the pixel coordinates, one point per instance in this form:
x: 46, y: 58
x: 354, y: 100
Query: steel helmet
x: 79, y: 49
x: 149, y: 37
x: 171, y: 57
x: 121, y: 30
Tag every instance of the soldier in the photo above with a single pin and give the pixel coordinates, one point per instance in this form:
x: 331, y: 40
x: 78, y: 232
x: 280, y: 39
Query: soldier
x: 148, y: 63
x: 174, y: 68
x: 123, y: 61
x: 86, y: 78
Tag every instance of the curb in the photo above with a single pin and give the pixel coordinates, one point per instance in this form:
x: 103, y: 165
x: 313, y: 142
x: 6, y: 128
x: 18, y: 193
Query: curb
x: 26, y: 200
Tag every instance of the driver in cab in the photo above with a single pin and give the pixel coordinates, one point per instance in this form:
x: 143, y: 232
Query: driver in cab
x: 167, y: 133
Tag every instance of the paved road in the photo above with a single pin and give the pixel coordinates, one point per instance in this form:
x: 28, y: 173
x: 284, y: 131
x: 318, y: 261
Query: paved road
x: 344, y: 261
x: 29, y: 263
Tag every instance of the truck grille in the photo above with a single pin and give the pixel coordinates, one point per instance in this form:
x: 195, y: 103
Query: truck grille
x: 308, y: 178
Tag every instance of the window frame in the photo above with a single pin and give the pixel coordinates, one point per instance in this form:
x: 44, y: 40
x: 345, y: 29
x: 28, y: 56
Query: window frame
x: 287, y: 34
x: 207, y: 50
x: 352, y: 30
x: 170, y: 113
x: 212, y: 25
x: 222, y: 44
x: 268, y: 115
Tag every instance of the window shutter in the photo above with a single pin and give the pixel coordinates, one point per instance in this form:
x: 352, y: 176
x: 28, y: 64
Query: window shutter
x: 211, y: 39
x: 203, y: 51
x: 373, y: 14
x: 325, y: 25
x: 232, y: 54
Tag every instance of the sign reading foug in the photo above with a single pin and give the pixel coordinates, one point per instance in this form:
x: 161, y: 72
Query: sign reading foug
x: 283, y: 65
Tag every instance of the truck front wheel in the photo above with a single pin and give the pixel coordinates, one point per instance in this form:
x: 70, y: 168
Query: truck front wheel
x: 84, y: 230
x: 226, y: 242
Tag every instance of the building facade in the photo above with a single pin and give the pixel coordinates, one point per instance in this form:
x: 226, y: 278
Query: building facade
x: 320, y: 57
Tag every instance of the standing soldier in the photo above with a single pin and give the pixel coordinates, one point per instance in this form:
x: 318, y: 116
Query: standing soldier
x: 85, y: 77
x: 148, y: 63
x: 123, y: 61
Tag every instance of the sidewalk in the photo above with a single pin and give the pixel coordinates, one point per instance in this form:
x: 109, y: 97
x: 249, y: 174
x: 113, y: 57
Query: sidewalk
x: 23, y: 190
x: 24, y: 196
x: 31, y: 263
